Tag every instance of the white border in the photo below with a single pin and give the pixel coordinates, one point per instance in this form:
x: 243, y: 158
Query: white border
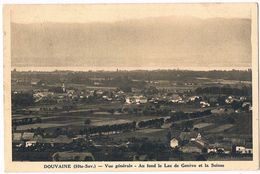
x: 90, y: 1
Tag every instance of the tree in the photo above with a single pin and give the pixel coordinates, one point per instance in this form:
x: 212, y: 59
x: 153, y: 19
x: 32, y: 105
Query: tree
x: 230, y: 120
x: 233, y: 150
x: 236, y: 105
x: 38, y: 120
x: 87, y: 121
x: 204, y: 150
x: 22, y: 99
x: 186, y: 125
x: 134, y: 125
x: 169, y: 136
x: 201, y: 158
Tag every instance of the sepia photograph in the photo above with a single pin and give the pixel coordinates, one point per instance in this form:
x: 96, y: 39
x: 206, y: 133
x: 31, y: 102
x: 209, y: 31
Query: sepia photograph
x: 131, y: 83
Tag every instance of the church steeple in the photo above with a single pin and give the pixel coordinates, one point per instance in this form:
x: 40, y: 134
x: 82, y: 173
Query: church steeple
x: 63, y: 87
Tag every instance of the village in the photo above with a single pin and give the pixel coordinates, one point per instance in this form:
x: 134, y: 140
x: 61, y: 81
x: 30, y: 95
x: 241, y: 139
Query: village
x: 131, y: 116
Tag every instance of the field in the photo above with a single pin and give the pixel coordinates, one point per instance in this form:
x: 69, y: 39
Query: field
x: 40, y: 125
x: 221, y: 128
x: 202, y: 125
x: 150, y: 133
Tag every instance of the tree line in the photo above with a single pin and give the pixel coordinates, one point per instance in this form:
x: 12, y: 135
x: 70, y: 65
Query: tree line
x: 108, y: 128
x: 244, y: 91
x: 177, y: 116
x: 153, y: 122
x: 142, y: 75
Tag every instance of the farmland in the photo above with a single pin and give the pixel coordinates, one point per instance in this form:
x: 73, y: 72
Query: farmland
x: 106, y: 112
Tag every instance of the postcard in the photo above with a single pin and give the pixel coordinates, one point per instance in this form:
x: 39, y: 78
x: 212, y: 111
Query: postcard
x: 131, y: 87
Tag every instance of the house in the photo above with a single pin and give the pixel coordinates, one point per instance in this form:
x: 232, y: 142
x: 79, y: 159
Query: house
x: 70, y: 91
x: 99, y: 92
x: 35, y: 81
x: 120, y: 92
x: 204, y: 104
x: 190, y: 136
x: 220, y: 147
x: 181, y: 102
x: 201, y: 141
x: 31, y: 139
x: 129, y: 100
x: 40, y: 95
x: 107, y: 98
x: 192, y: 147
x: 240, y: 149
x: 49, y: 108
x: 136, y: 100
x: 73, y: 156
x: 97, y: 83
x: 174, y: 143
x: 141, y: 100
x: 248, y: 150
x: 230, y: 100
x: 28, y: 138
x: 30, y: 143
x: 176, y: 99
x: 242, y: 98
x: 188, y: 84
x: 194, y: 98
x: 212, y: 150
x: 247, y: 106
x: 244, y: 149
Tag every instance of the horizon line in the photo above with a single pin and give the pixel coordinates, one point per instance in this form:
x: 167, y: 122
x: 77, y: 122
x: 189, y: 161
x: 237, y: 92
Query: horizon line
x: 115, y: 69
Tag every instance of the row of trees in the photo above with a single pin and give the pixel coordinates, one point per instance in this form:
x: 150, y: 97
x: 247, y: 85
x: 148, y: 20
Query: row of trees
x: 22, y: 99
x: 151, y: 123
x: 108, y: 128
x: 177, y: 116
x: 244, y: 91
x: 84, y: 77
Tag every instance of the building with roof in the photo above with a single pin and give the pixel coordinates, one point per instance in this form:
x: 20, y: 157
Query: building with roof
x: 190, y: 136
x: 192, y: 147
x: 174, y: 143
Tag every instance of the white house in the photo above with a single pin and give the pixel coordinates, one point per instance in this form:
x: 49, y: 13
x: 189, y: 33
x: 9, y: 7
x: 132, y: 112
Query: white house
x: 204, y: 104
x: 195, y: 138
x: 243, y: 150
x: 136, y: 100
x: 174, y: 143
x: 193, y: 98
x: 141, y: 100
x: 212, y: 150
x: 176, y: 99
x: 129, y: 100
x: 240, y: 149
x: 30, y: 143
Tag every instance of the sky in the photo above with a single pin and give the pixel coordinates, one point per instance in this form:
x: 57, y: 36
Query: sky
x: 164, y: 35
x: 112, y: 13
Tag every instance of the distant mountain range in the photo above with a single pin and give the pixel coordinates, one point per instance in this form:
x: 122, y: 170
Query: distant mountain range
x: 150, y: 42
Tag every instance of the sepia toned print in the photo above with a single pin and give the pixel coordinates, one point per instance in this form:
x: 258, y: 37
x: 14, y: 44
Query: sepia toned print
x: 131, y: 87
